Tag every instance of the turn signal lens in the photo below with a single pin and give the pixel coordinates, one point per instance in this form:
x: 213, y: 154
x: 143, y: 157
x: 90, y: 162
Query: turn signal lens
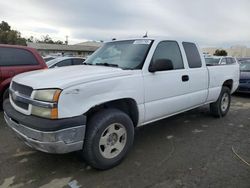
x: 54, y: 113
x: 56, y: 95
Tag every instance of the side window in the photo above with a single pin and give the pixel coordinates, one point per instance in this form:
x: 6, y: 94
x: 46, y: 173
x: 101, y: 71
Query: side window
x: 230, y: 60
x: 63, y: 63
x: 193, y: 55
x: 169, y: 50
x: 77, y: 61
x: 16, y: 57
x: 223, y: 61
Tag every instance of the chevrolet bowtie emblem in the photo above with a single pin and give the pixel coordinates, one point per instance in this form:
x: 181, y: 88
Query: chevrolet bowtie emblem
x: 14, y: 95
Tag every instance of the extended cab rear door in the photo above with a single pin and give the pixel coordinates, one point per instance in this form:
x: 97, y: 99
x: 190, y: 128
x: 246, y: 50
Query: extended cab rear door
x: 198, y: 75
x: 172, y: 91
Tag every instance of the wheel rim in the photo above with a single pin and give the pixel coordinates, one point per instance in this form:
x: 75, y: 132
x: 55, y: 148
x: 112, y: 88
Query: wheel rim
x: 224, y: 102
x: 113, y: 140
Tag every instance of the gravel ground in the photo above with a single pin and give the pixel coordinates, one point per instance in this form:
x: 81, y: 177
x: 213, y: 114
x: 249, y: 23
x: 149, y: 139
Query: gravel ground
x: 192, y: 149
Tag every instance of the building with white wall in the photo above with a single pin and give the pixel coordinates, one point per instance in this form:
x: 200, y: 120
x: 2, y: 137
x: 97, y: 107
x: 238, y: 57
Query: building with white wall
x: 82, y: 49
x: 235, y: 51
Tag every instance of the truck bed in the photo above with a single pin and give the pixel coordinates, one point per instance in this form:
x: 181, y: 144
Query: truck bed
x: 217, y: 76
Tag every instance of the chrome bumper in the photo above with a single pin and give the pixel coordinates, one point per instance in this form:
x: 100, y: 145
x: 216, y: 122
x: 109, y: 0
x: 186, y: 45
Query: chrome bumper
x: 61, y: 141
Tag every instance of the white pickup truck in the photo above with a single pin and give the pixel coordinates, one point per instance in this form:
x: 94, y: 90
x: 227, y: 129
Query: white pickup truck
x: 124, y: 84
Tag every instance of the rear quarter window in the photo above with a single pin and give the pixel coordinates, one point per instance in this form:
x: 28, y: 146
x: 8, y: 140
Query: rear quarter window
x: 193, y: 55
x: 16, y: 57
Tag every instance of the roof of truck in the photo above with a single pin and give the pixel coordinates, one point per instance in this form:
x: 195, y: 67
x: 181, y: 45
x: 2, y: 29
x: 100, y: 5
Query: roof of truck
x: 159, y: 38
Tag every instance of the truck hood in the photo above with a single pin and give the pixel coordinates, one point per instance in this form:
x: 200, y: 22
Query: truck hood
x: 68, y: 76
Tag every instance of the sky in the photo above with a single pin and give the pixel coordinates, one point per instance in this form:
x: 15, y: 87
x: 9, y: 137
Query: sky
x: 211, y: 23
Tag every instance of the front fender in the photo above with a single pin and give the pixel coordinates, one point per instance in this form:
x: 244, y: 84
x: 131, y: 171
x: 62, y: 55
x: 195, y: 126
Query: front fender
x: 79, y: 99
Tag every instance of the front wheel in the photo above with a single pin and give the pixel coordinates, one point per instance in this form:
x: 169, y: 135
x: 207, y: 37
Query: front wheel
x: 109, y: 136
x: 221, y: 107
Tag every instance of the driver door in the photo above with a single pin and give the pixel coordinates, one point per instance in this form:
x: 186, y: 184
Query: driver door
x: 165, y: 91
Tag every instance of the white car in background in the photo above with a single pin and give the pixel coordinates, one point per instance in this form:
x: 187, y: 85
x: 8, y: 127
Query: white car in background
x: 65, y: 61
x: 220, y: 60
x: 48, y: 58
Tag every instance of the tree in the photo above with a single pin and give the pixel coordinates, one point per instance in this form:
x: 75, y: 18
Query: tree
x: 4, y: 26
x: 9, y: 36
x: 48, y: 40
x: 219, y: 52
x: 30, y: 39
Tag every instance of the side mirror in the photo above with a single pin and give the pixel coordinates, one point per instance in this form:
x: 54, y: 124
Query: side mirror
x: 161, y: 65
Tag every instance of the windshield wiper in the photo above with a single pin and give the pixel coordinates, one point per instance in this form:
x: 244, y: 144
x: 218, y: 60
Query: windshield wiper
x: 87, y: 63
x: 107, y: 64
x: 127, y: 68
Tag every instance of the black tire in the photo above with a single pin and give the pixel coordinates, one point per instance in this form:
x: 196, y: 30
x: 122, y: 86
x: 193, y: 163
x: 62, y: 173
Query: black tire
x: 5, y: 96
x: 96, y: 127
x: 216, y: 108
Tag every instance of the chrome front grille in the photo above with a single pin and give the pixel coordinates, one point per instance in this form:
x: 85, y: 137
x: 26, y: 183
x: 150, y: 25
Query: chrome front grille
x: 23, y: 90
x: 21, y: 104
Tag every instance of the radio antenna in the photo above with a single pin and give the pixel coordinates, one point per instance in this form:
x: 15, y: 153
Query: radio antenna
x: 146, y: 35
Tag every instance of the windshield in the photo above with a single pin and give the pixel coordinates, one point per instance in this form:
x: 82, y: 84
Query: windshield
x: 245, y: 66
x: 129, y: 54
x: 212, y: 61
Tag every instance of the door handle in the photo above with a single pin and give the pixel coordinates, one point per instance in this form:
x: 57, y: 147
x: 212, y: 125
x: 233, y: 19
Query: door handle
x: 185, y: 78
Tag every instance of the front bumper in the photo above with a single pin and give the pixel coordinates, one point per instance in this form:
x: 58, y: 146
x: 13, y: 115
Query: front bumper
x: 47, y: 138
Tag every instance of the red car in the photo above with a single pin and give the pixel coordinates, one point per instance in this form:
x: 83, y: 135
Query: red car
x: 15, y: 60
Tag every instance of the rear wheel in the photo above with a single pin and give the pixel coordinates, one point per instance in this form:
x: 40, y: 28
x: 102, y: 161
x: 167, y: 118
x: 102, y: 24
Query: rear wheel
x: 109, y: 136
x: 221, y: 107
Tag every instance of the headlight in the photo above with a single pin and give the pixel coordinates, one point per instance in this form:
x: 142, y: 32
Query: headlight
x: 41, y: 112
x: 50, y: 96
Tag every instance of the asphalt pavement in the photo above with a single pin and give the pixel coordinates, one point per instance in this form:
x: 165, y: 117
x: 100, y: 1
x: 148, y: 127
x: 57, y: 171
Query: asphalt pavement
x: 192, y: 149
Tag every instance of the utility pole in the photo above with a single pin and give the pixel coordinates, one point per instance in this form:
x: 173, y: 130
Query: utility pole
x: 67, y: 40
